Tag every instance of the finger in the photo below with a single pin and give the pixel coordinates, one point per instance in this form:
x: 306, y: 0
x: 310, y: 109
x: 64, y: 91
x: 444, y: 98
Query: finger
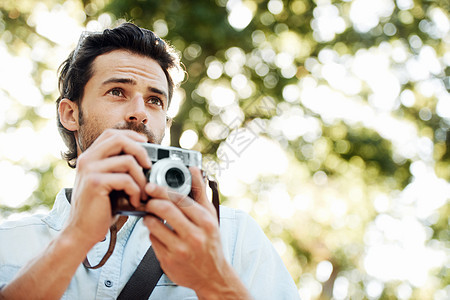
x: 159, y: 230
x: 198, y: 184
x: 125, y: 164
x: 114, y: 142
x: 183, y: 218
x: 157, y: 245
x: 168, y: 210
x: 121, y: 164
x: 107, y: 133
x: 156, y: 191
x: 102, y: 184
x: 195, y: 212
x: 199, y: 189
x: 117, y: 145
x: 120, y: 182
x: 161, y: 192
x: 161, y: 250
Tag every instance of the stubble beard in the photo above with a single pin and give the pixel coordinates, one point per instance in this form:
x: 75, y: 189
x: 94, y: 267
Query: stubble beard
x: 89, y: 132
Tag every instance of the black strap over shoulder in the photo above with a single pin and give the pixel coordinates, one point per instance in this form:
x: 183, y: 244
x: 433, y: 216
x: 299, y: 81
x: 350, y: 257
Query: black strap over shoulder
x: 144, y: 279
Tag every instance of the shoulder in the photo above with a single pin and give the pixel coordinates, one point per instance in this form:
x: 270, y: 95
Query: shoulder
x: 253, y: 257
x: 53, y: 219
x: 26, y: 236
x: 22, y: 234
x: 20, y: 240
x: 241, y: 234
x: 24, y: 222
x: 228, y: 215
x: 239, y: 222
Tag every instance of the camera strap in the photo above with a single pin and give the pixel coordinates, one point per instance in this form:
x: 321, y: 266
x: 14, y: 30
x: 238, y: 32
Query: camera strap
x: 144, y: 279
x: 112, y: 241
x: 215, y: 197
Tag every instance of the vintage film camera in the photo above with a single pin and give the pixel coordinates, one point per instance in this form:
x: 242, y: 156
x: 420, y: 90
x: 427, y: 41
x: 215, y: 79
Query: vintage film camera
x: 169, y: 168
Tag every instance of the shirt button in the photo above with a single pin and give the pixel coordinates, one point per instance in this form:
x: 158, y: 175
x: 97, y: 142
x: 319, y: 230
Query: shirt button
x: 108, y: 283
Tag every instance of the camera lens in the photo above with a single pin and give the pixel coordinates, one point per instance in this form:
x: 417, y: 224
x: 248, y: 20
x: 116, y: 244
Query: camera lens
x: 175, y: 177
x: 171, y: 173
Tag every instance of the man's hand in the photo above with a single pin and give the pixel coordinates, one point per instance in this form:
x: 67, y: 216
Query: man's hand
x: 115, y: 161
x: 190, y: 252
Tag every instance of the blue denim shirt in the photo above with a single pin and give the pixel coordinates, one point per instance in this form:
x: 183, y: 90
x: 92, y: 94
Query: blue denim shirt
x: 245, y: 246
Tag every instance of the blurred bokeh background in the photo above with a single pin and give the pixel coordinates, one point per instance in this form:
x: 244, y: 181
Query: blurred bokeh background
x: 327, y: 121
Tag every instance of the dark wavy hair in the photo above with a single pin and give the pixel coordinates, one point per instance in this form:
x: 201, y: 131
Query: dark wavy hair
x: 76, y: 70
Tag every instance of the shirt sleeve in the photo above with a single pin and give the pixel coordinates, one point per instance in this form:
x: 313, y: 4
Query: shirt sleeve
x: 7, y: 273
x: 258, y: 264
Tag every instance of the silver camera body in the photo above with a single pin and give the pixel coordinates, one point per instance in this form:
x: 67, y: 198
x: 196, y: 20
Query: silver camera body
x: 170, y: 166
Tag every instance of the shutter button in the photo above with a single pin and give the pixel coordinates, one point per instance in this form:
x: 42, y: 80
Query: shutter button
x: 108, y: 283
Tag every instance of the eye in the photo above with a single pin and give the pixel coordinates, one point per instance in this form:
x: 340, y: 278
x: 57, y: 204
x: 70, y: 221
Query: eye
x: 155, y: 101
x: 116, y: 92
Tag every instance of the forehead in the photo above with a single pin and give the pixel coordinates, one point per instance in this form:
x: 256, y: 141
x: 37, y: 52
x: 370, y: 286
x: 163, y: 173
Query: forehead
x: 126, y: 64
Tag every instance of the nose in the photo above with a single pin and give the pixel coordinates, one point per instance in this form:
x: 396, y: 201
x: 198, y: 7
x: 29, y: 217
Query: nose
x: 137, y: 111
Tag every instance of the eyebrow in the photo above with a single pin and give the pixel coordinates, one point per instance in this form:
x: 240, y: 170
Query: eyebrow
x: 133, y: 82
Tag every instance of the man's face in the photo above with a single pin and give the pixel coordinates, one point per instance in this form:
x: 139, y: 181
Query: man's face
x: 126, y: 91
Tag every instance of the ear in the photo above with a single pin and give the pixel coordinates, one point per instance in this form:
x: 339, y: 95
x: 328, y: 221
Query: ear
x: 68, y: 114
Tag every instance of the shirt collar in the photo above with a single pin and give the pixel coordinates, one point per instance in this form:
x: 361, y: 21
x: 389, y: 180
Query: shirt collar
x: 59, y: 213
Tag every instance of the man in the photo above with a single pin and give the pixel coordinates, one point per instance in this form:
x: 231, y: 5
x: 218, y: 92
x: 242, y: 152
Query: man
x: 115, y: 89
